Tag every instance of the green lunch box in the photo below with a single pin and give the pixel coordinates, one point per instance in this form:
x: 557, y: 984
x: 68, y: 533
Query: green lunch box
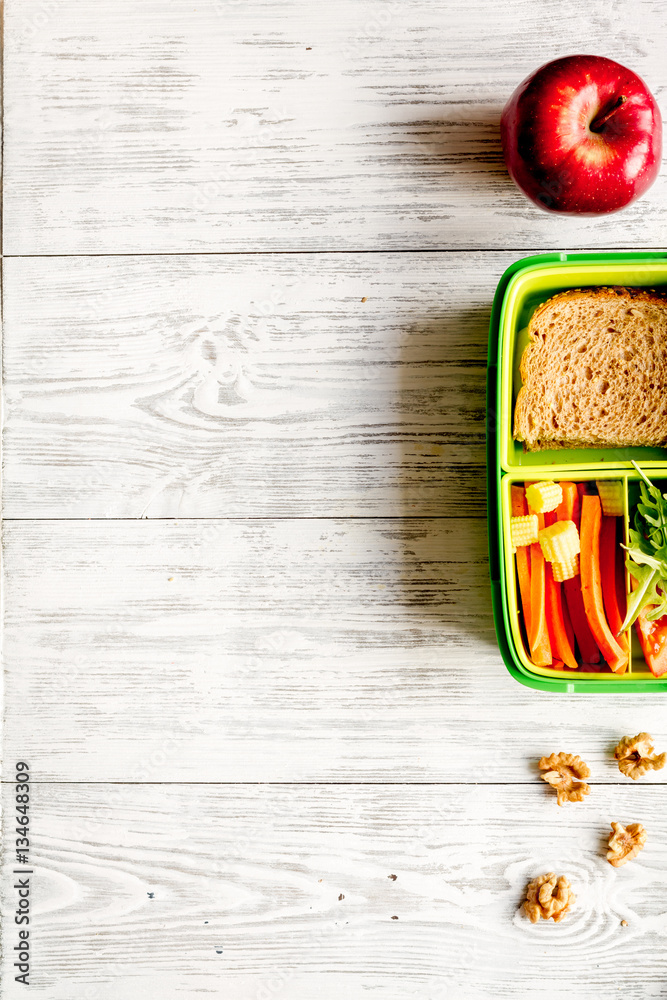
x: 524, y: 286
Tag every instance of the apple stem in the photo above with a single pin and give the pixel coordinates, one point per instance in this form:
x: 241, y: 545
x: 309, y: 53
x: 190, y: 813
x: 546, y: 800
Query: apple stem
x: 601, y: 120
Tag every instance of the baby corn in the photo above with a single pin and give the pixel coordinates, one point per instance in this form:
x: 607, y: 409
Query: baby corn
x: 543, y: 497
x: 565, y: 570
x: 560, y: 541
x: 611, y: 497
x: 523, y: 530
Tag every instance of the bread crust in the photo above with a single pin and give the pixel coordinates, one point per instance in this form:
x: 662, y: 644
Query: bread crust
x: 594, y: 371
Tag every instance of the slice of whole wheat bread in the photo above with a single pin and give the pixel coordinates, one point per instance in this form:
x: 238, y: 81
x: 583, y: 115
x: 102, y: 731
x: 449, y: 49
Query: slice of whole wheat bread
x: 595, y: 371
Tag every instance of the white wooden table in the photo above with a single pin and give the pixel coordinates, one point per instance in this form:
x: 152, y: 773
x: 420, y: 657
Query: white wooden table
x: 250, y: 250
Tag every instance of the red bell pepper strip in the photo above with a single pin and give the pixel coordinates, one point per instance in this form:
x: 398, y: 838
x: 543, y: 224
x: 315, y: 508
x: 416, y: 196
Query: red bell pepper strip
x: 591, y: 584
x: 608, y: 547
x: 653, y: 639
x: 569, y: 631
x: 570, y: 510
x: 621, y: 585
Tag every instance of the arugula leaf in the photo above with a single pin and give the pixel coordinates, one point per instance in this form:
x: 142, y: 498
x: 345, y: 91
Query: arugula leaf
x: 648, y: 554
x: 646, y: 593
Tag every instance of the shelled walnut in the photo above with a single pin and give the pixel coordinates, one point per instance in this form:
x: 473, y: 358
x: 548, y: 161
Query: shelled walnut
x: 548, y: 897
x: 564, y: 771
x: 635, y: 756
x: 625, y: 843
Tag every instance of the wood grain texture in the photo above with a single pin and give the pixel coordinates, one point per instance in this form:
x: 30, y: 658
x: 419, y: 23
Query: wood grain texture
x: 285, y: 124
x: 246, y: 385
x: 291, y: 585
x: 263, y: 892
x: 259, y: 650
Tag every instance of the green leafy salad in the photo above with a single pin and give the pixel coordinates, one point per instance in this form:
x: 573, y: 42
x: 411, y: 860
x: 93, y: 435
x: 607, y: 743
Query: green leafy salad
x: 647, y: 551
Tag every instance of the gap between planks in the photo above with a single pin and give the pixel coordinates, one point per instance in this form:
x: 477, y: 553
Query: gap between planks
x: 327, y: 784
x: 259, y: 517
x: 316, y: 252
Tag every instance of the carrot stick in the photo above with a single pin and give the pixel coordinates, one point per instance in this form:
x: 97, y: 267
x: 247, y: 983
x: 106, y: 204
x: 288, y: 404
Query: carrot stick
x: 608, y: 546
x: 561, y: 643
x: 565, y: 510
x: 519, y: 504
x: 591, y: 584
x: 555, y: 624
x: 554, y: 607
x: 519, y: 509
x: 540, y: 647
x: 570, y: 510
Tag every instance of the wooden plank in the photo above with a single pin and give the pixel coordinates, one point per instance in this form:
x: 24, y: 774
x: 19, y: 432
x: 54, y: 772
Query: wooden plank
x: 286, y: 650
x: 283, y: 125
x: 236, y: 385
x: 163, y: 891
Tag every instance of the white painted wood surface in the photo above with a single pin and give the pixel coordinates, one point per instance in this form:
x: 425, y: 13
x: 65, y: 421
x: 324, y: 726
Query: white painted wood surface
x: 247, y: 634
x: 235, y: 385
x: 259, y: 892
x: 286, y: 650
x: 172, y: 125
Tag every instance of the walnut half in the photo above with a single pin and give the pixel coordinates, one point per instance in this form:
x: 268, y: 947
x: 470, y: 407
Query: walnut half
x: 548, y: 897
x: 564, y: 771
x: 625, y: 843
x: 635, y: 756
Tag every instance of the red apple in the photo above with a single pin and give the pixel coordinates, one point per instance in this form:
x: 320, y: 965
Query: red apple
x: 582, y: 135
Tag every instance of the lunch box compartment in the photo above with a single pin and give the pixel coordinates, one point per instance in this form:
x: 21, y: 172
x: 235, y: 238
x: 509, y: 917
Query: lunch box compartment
x: 528, y: 289
x: 637, y: 668
x: 523, y: 287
